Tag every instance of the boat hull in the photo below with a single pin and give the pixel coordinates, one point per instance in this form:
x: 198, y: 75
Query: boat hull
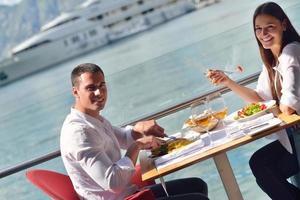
x: 44, y: 56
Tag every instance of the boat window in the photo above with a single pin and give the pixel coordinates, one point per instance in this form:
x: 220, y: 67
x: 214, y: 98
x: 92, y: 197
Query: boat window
x: 128, y: 18
x: 32, y: 46
x: 75, y: 39
x: 93, y: 32
x: 98, y: 17
x: 108, y: 25
x: 140, y: 2
x: 66, y: 42
x: 3, y: 76
x: 61, y: 23
x: 148, y: 11
x: 123, y: 8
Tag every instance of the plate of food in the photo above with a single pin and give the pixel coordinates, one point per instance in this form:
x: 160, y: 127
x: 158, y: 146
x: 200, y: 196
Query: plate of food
x: 201, y: 124
x: 170, y: 146
x: 252, y: 111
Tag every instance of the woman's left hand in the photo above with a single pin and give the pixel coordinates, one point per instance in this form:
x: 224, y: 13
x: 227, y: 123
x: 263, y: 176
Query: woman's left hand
x: 286, y: 109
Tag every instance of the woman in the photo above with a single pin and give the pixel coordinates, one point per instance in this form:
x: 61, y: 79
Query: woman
x: 279, y: 45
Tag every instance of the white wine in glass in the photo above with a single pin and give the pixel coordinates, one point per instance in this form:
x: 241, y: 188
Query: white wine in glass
x: 217, y: 105
x: 219, y: 109
x: 202, y: 117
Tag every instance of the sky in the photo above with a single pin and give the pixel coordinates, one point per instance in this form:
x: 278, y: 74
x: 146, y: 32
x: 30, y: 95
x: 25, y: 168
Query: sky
x: 9, y: 2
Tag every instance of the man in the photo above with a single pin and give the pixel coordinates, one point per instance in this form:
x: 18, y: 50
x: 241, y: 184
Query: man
x: 90, y: 145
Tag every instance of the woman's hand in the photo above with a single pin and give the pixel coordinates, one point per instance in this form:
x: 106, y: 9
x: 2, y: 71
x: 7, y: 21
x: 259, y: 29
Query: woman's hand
x: 149, y: 142
x: 217, y: 77
x: 286, y: 109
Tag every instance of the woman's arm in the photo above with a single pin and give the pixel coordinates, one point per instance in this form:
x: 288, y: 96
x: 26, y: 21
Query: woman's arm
x: 289, y: 68
x: 217, y: 77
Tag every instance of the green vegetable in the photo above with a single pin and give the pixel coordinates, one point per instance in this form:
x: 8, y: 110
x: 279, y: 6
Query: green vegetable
x: 252, y: 109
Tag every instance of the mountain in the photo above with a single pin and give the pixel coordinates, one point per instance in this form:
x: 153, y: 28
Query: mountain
x: 24, y: 19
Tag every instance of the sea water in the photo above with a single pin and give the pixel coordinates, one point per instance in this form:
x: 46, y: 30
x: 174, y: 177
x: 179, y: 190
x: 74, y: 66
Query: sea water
x: 145, y: 73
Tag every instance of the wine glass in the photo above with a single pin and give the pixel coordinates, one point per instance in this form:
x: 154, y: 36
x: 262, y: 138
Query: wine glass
x: 201, y: 118
x: 218, y: 107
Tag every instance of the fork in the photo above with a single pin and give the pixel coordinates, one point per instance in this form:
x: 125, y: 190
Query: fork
x: 228, y: 72
x: 170, y: 137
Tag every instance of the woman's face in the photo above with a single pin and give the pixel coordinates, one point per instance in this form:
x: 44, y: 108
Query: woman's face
x: 269, y: 31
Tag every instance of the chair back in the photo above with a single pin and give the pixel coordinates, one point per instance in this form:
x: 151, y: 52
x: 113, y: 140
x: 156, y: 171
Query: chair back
x: 137, y: 178
x: 58, y: 186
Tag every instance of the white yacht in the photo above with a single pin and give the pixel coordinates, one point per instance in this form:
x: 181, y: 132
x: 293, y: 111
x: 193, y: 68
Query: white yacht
x: 93, y: 24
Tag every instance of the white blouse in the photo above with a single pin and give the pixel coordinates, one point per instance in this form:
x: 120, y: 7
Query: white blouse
x: 90, y: 149
x: 289, y: 69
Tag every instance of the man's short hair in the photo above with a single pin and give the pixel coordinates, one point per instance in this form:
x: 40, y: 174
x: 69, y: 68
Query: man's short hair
x: 83, y: 68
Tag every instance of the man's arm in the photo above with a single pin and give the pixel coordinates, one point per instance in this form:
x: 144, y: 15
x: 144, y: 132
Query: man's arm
x: 95, y: 155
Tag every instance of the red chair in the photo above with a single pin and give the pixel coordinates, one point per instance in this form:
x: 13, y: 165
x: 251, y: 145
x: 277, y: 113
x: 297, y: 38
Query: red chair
x: 59, y: 186
x: 137, y: 178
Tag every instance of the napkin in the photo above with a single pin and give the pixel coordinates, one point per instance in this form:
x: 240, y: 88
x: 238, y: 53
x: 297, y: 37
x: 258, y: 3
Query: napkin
x: 176, y: 155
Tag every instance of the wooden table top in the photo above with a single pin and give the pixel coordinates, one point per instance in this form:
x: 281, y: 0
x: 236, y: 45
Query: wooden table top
x: 149, y: 171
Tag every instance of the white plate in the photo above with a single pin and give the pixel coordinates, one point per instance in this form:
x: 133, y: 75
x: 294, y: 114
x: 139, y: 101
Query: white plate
x: 269, y: 104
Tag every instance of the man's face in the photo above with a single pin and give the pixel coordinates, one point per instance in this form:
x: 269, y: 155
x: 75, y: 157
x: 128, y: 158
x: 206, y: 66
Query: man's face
x: 90, y: 93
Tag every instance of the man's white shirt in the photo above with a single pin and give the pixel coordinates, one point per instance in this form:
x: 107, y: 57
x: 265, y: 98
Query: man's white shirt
x: 91, y: 152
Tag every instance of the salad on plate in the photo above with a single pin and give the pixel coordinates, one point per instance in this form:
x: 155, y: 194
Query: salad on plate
x: 253, y: 110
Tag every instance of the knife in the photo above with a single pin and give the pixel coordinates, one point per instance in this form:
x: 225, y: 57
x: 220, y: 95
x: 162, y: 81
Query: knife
x: 250, y: 128
x: 163, y: 184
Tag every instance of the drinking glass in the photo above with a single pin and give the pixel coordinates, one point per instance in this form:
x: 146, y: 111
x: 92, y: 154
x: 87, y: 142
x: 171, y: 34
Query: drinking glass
x: 201, y: 117
x: 218, y: 107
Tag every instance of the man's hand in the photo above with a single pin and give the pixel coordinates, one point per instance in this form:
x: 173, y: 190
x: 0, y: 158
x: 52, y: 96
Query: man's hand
x: 146, y: 142
x: 149, y: 142
x: 145, y: 128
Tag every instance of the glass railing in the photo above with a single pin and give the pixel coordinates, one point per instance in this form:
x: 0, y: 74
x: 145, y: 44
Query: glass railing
x: 171, y: 119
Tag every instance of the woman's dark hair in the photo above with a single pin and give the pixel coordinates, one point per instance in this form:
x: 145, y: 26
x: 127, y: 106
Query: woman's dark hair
x: 83, y: 68
x: 289, y: 35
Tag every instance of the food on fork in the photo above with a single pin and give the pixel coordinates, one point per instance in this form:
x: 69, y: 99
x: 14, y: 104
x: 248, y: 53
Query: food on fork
x: 239, y: 68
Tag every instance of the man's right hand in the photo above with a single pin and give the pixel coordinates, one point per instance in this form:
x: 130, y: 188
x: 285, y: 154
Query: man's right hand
x: 146, y: 142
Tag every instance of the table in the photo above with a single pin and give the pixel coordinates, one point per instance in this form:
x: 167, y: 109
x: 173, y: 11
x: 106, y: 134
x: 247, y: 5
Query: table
x: 219, y: 155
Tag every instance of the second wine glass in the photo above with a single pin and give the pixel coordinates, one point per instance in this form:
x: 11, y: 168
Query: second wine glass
x: 218, y: 107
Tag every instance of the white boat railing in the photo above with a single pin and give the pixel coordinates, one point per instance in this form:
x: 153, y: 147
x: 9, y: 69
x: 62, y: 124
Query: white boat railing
x: 157, y: 115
